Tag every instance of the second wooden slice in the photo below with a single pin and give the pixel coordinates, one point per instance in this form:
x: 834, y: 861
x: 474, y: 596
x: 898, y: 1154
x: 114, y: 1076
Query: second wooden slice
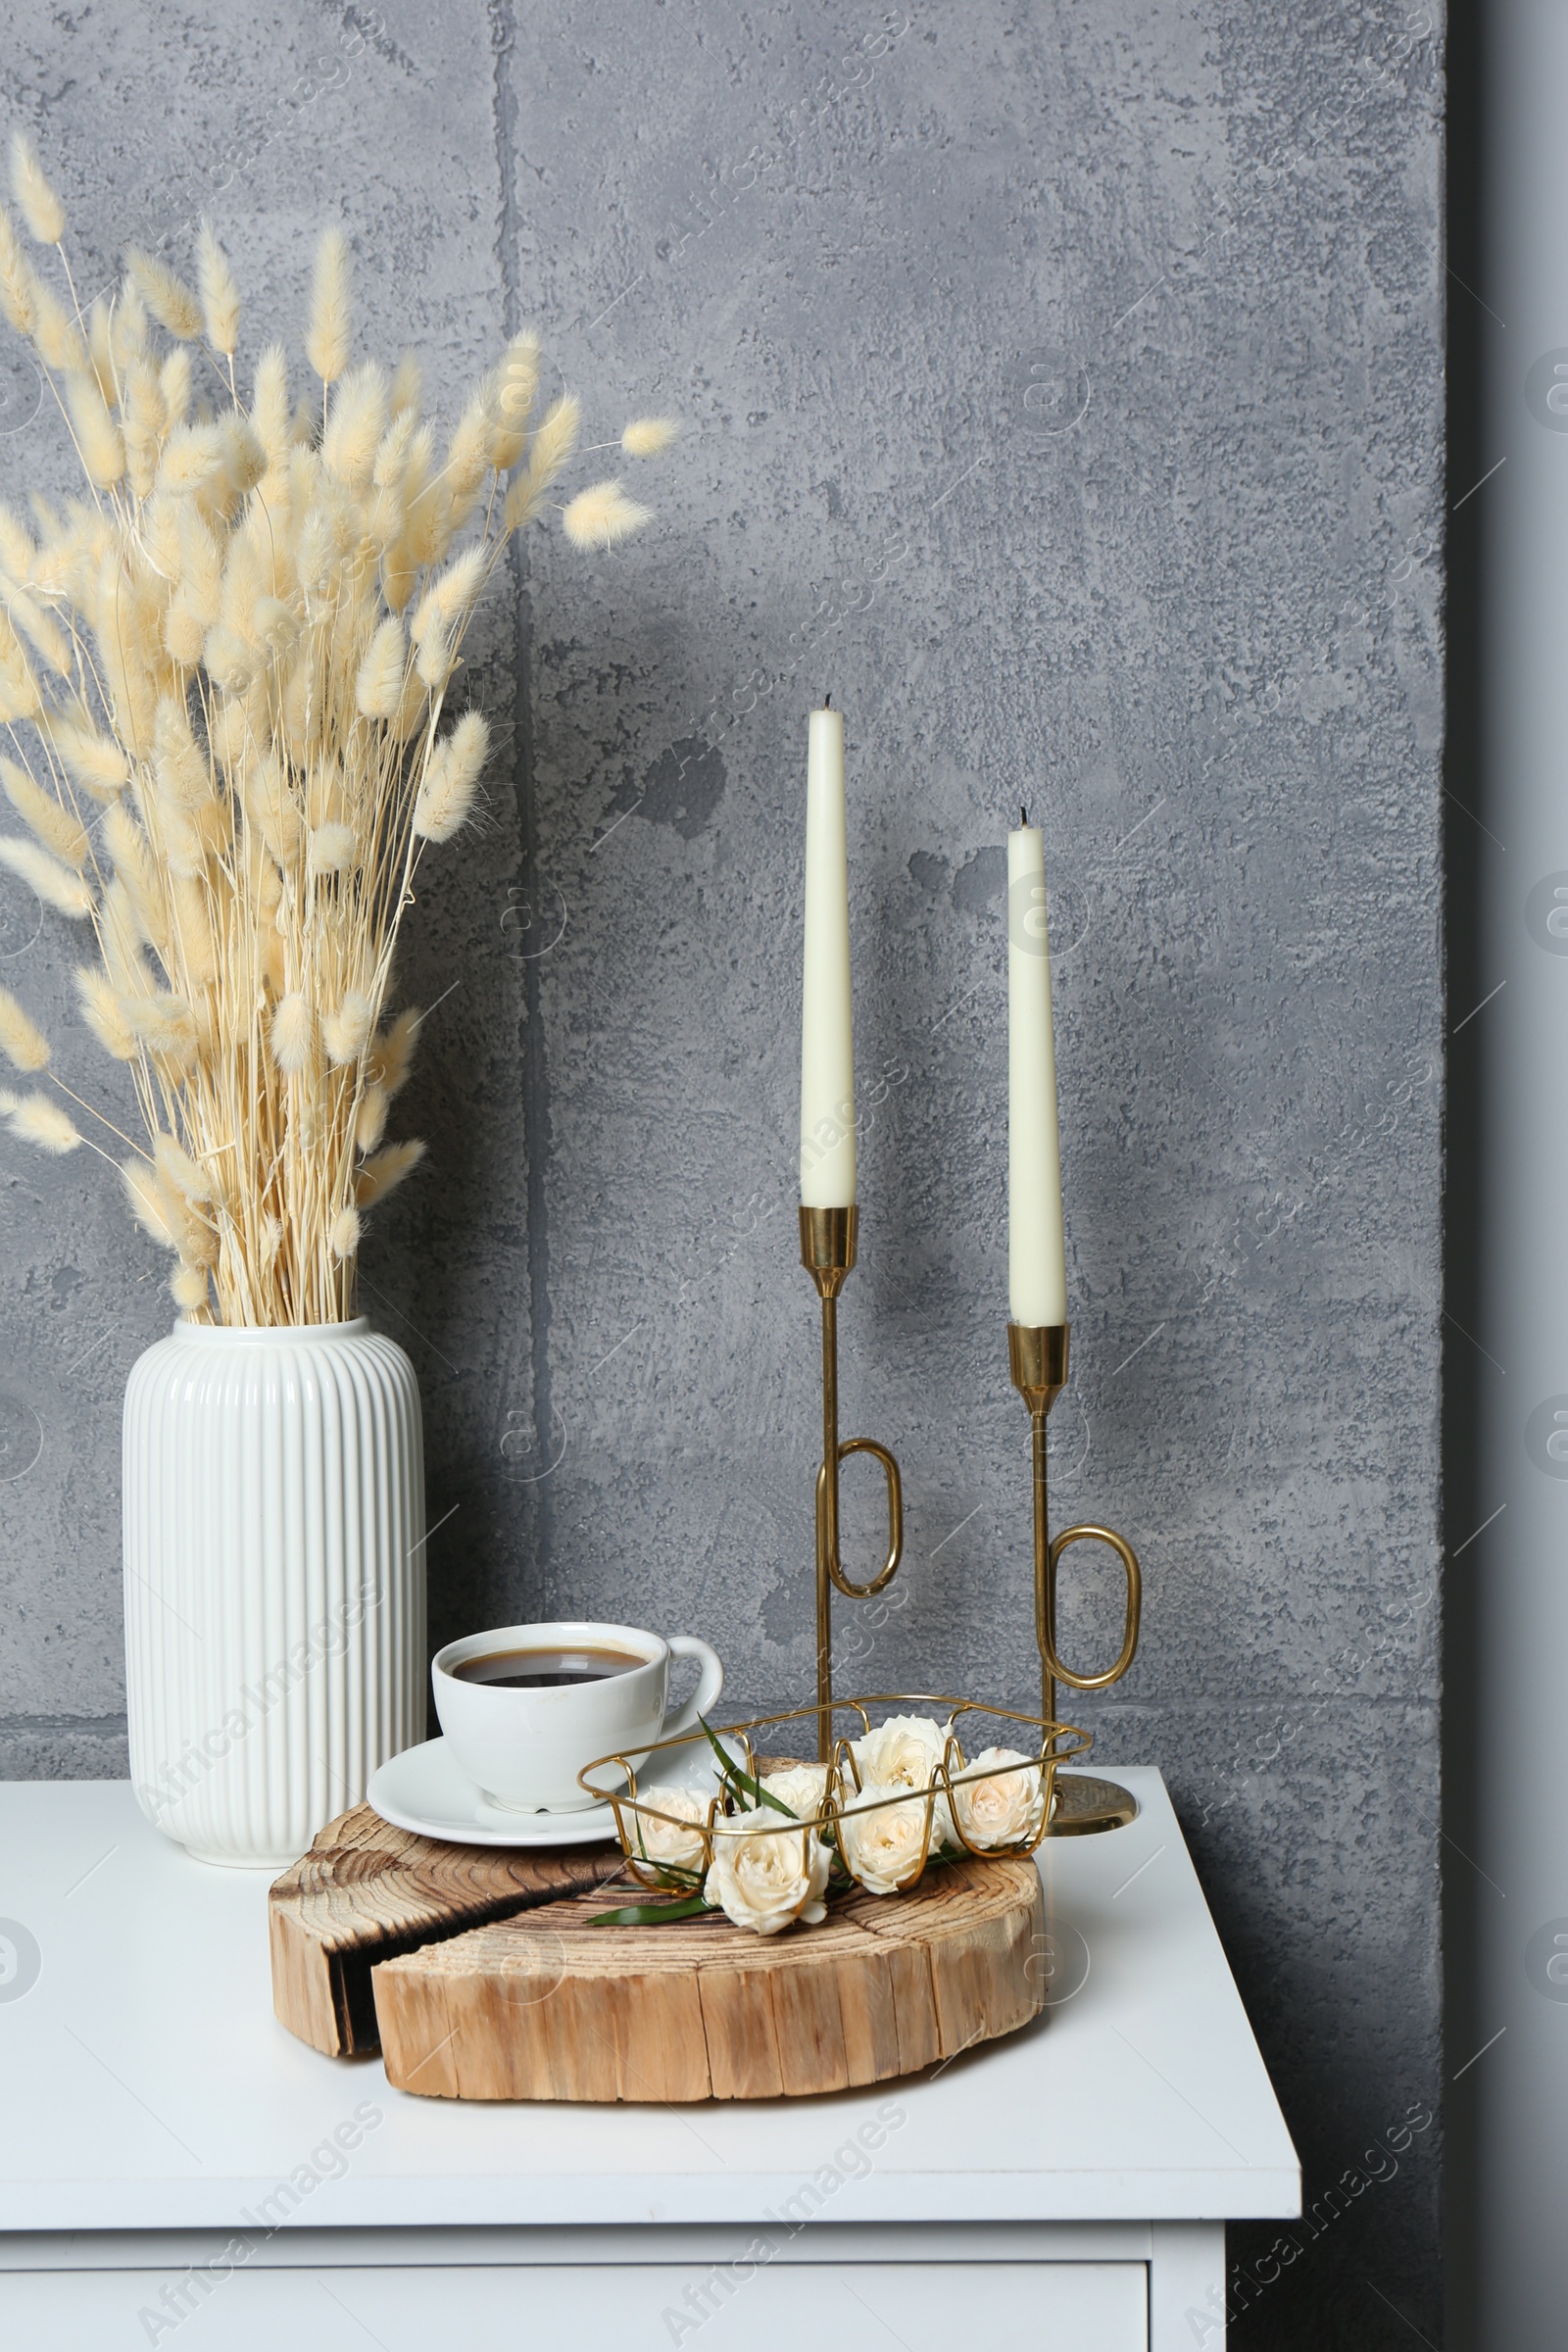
x: 546, y: 2006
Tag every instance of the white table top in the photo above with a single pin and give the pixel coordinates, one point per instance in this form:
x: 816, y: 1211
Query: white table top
x: 145, y: 2082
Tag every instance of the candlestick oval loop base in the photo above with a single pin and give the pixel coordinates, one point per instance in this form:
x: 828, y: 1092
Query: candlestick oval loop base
x: 1047, y: 1630
x: 890, y: 1566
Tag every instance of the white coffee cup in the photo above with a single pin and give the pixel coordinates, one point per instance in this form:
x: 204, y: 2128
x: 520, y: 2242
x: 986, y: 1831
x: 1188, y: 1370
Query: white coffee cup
x: 524, y: 1749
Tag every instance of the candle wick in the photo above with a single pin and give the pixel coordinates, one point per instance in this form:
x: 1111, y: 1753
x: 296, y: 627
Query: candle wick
x: 827, y: 702
x: 1023, y: 816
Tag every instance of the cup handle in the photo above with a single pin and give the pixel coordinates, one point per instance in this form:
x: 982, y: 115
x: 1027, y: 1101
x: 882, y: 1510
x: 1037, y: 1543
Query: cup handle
x: 709, y: 1687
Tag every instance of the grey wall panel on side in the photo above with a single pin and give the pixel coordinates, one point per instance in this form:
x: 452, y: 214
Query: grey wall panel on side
x: 1515, y: 2084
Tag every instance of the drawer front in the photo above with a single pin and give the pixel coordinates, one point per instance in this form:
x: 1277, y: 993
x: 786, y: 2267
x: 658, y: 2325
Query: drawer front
x: 634, y: 2307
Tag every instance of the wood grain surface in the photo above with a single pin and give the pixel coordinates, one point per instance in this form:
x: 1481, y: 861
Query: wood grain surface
x: 367, y: 1891
x: 543, y: 2005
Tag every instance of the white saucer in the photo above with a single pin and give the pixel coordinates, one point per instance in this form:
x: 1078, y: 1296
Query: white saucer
x: 424, y: 1790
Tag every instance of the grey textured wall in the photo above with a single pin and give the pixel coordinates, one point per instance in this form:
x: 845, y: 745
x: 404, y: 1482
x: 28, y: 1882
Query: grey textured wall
x: 1063, y: 393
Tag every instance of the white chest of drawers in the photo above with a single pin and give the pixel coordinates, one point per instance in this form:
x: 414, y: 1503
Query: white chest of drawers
x: 176, y: 2168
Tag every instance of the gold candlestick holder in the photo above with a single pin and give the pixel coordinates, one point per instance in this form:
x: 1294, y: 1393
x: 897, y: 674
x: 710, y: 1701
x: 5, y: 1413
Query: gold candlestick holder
x: 827, y: 1252
x: 1037, y: 1355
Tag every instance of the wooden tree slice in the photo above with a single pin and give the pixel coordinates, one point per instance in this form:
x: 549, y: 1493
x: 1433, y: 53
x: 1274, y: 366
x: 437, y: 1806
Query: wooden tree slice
x: 544, y: 2006
x: 367, y: 1891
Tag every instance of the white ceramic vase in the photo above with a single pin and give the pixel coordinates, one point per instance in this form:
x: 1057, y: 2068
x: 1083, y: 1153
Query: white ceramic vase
x: 274, y: 1581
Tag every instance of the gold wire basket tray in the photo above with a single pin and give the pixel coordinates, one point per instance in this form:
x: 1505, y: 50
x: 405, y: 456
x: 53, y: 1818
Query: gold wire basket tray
x: 740, y: 1790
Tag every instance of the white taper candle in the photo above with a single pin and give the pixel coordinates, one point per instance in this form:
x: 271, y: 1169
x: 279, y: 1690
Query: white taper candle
x: 1036, y: 1258
x: 827, y: 1036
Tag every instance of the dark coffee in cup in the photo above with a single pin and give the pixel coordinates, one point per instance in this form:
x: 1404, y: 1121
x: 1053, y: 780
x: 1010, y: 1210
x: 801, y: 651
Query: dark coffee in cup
x: 524, y: 1707
x: 551, y: 1667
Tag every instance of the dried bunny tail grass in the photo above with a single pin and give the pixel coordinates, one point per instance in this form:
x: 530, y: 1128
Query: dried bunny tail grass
x: 128, y: 630
x: 55, y: 884
x: 123, y: 942
x: 557, y: 438
x: 200, y: 565
x: 170, y: 300
x: 553, y: 444
x: 325, y: 801
x: 165, y: 1024
x: 187, y: 1287
x: 412, y: 710
x: 40, y: 624
x: 259, y: 722
x: 56, y: 334
x: 369, y: 1120
x: 127, y: 324
x: 293, y: 1037
x: 98, y: 437
x: 326, y: 344
x: 104, y: 1014
x: 378, y: 683
x: 180, y: 1173
x: 160, y: 534
x: 92, y: 759
x: 61, y: 833
x: 193, y: 922
x: 193, y: 459
x: 347, y: 1031
x: 195, y: 1236
x: 381, y: 1175
x: 648, y: 436
x: 513, y: 387
x: 602, y: 514
x: 142, y: 419
x: 445, y: 797
x: 19, y: 688
x: 391, y: 1054
x: 228, y: 731
x: 332, y: 849
x: 358, y: 421
x: 36, y: 201
x: 37, y: 1120
x: 148, y: 1204
x: 180, y: 769
x: 100, y: 346
x: 220, y: 296
x: 448, y: 599
x: 469, y: 457
x: 128, y: 848
x: 18, y: 285
x: 443, y: 610
x: 391, y: 464
x: 268, y: 805
x: 269, y: 404
x: 20, y: 1042
x: 176, y: 383
x: 244, y: 461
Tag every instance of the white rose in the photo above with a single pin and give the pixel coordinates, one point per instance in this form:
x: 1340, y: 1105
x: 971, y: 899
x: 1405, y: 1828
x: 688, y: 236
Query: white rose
x: 1001, y: 1808
x: 666, y: 1844
x: 801, y: 1787
x: 765, y: 1875
x: 886, y: 1850
x: 902, y: 1753
x: 905, y: 1753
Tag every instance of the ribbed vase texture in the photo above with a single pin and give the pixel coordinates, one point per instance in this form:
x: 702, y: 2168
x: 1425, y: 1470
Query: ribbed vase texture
x: 274, y: 1580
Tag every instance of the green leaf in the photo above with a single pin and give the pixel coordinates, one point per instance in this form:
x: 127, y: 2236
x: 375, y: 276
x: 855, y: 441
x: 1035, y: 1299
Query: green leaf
x: 742, y: 1783
x: 649, y: 1915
